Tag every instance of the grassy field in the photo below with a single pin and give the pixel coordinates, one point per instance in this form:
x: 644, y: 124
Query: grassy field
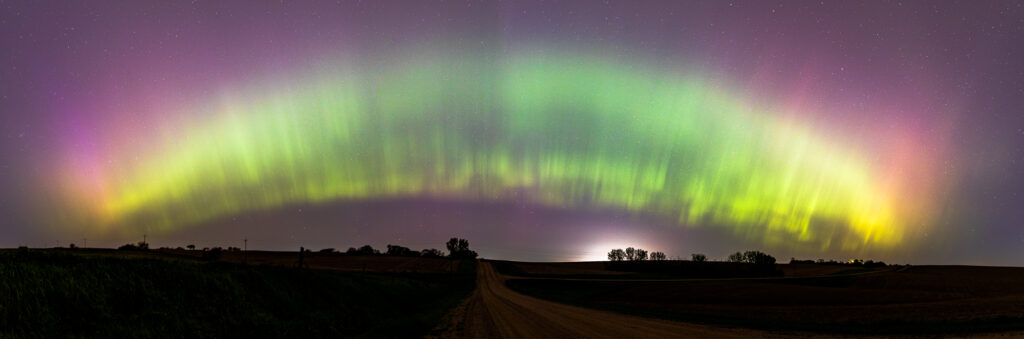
x: 916, y: 300
x: 54, y: 293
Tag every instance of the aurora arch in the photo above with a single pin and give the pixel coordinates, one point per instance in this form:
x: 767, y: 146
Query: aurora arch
x: 561, y: 130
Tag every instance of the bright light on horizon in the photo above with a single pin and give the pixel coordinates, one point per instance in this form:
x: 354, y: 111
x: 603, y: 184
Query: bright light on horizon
x: 599, y: 251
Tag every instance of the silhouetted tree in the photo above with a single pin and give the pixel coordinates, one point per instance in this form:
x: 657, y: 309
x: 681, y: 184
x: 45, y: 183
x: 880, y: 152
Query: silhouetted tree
x: 641, y: 254
x: 191, y: 247
x: 752, y: 257
x: 431, y: 253
x: 72, y: 246
x: 328, y: 250
x: 658, y: 256
x: 401, y: 251
x: 367, y: 250
x: 352, y: 251
x: 616, y: 255
x: 630, y: 254
x: 758, y: 257
x: 697, y: 257
x: 458, y: 248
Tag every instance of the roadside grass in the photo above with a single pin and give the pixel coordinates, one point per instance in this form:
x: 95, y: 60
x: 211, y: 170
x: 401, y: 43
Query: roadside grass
x: 46, y: 293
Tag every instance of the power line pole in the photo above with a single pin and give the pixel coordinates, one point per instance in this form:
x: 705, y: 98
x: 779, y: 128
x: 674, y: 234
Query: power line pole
x: 245, y: 250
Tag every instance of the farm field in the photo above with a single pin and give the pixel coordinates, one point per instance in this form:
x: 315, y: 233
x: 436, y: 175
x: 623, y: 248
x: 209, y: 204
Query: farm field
x: 833, y: 299
x: 108, y: 293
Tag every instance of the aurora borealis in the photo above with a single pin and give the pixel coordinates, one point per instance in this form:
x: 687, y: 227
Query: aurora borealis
x: 215, y: 112
x: 564, y: 132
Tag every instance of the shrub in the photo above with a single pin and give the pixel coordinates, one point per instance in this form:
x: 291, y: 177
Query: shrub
x: 432, y: 253
x: 212, y: 254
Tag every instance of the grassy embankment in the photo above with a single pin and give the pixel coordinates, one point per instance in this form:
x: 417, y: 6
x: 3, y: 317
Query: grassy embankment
x: 52, y: 293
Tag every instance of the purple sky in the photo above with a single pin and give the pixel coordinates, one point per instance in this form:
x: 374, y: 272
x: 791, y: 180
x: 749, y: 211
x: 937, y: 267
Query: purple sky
x: 948, y: 74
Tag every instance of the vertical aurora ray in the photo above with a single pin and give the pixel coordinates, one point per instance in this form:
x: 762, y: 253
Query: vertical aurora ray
x: 567, y: 131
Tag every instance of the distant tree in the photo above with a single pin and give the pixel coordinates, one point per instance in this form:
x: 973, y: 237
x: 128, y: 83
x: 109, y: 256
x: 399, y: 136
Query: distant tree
x: 234, y: 249
x: 871, y: 263
x: 401, y: 251
x: 142, y: 245
x: 630, y: 254
x: 758, y: 257
x: 127, y: 247
x: 179, y: 248
x: 72, y: 246
x: 352, y: 251
x: 367, y: 250
x: 752, y: 257
x: 697, y: 257
x: 212, y: 254
x: 431, y: 253
x: 328, y: 250
x: 641, y: 254
x: 191, y: 247
x: 616, y: 255
x: 458, y: 248
x: 658, y: 256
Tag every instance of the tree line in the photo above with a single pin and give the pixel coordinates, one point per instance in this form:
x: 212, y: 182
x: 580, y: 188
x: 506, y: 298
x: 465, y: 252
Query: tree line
x: 458, y: 248
x: 635, y: 254
x: 851, y: 262
x: 639, y: 254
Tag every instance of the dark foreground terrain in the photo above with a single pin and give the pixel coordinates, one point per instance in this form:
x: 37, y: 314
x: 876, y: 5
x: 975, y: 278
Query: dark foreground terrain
x: 808, y: 298
x: 174, y: 293
x: 118, y: 294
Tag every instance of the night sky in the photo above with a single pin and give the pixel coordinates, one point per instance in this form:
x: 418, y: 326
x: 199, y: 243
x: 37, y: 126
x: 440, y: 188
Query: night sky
x: 554, y: 130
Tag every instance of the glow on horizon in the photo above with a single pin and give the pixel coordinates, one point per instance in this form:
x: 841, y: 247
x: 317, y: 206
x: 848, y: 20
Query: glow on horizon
x: 566, y: 131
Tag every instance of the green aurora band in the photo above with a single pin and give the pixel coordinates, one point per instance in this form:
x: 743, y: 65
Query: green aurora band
x: 559, y: 131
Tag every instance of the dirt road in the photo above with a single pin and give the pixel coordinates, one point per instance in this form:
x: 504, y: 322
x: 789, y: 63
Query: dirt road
x: 494, y: 311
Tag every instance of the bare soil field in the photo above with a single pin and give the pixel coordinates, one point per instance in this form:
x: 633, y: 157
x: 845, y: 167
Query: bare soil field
x: 596, y: 268
x: 601, y: 268
x: 313, y: 260
x: 914, y: 300
x: 344, y: 262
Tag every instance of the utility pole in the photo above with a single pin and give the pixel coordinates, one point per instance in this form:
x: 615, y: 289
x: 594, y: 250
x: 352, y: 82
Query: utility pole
x: 245, y: 250
x: 143, y: 238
